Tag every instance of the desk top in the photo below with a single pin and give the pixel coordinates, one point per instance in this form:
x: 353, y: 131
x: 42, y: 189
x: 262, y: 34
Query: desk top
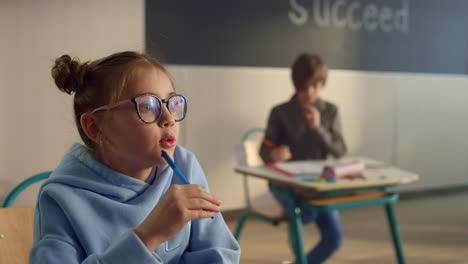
x: 376, y: 174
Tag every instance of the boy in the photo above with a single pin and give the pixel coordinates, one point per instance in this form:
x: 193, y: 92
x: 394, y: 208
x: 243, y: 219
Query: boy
x: 305, y: 128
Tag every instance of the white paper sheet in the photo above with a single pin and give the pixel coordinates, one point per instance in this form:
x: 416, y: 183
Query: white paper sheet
x: 301, y: 168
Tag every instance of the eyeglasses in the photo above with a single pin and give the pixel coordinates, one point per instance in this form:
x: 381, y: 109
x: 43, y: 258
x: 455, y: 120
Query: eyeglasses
x: 149, y: 107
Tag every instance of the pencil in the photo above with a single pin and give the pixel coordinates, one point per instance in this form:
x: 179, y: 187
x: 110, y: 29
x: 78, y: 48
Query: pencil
x: 176, y: 169
x: 270, y: 144
x: 280, y: 170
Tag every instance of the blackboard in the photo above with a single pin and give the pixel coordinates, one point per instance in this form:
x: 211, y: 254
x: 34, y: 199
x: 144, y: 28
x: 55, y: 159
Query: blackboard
x: 427, y: 36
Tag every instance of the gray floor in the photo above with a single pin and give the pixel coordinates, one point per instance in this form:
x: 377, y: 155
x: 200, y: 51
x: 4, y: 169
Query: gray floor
x: 434, y: 230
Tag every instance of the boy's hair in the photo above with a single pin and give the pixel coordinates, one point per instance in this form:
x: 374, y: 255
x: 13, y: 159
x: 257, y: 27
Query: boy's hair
x: 308, y: 67
x: 99, y: 82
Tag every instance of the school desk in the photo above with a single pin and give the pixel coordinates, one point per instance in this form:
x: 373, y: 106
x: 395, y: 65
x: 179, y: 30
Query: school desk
x: 302, y: 189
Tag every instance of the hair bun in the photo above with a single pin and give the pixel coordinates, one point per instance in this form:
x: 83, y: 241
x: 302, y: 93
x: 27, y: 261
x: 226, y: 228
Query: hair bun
x: 69, y: 74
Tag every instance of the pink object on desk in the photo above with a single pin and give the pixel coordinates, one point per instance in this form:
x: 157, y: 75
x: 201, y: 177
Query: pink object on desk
x: 351, y: 170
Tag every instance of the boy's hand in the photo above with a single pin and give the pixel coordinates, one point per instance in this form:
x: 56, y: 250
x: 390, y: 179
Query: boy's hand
x: 179, y: 205
x: 312, y: 115
x: 281, y: 153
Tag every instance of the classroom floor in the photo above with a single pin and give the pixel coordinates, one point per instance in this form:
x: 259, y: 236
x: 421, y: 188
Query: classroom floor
x: 434, y: 230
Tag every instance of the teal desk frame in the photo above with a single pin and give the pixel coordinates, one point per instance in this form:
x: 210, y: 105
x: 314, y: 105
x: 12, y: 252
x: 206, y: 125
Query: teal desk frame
x: 295, y: 223
x: 296, y: 202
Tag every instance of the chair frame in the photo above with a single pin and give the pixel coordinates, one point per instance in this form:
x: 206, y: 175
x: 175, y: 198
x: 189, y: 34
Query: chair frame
x: 249, y: 210
x: 11, y: 197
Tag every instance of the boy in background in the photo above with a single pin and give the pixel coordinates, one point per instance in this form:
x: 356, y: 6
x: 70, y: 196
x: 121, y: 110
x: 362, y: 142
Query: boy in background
x: 308, y: 128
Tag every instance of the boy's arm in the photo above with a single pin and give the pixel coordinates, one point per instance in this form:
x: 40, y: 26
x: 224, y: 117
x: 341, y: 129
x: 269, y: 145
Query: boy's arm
x: 333, y: 138
x: 272, y: 133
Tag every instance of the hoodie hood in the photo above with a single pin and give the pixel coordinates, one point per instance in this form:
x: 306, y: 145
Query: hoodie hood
x: 79, y: 169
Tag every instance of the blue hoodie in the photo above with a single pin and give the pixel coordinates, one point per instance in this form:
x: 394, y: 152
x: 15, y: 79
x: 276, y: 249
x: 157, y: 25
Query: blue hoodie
x: 86, y: 213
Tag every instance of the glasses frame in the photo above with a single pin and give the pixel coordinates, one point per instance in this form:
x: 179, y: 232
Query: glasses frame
x: 134, y: 101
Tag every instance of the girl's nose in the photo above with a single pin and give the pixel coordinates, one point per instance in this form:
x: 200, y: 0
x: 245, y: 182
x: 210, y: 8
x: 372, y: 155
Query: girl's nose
x: 166, y: 119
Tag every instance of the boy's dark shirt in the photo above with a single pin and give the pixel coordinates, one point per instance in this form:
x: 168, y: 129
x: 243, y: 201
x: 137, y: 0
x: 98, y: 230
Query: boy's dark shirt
x: 288, y: 126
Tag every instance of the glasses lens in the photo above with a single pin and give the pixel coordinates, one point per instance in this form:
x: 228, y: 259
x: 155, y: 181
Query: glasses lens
x: 177, y: 106
x: 149, y: 108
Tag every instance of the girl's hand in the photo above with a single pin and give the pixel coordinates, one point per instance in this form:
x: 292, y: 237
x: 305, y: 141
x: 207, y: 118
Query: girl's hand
x: 281, y: 153
x: 312, y: 115
x: 179, y: 205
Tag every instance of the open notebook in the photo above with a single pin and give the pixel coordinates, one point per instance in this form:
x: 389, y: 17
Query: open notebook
x: 301, y: 168
x: 327, y: 170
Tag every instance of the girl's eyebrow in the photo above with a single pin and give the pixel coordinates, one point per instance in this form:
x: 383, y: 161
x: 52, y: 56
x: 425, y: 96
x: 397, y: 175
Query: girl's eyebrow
x: 170, y: 94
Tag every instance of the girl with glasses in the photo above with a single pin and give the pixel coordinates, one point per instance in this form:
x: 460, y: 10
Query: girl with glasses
x: 115, y: 199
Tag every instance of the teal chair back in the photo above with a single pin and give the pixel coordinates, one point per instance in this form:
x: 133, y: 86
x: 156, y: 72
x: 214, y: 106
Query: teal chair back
x: 250, y: 146
x: 9, y: 200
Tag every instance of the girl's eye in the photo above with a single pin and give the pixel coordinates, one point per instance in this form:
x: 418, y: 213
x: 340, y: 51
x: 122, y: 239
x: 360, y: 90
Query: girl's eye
x: 145, y: 107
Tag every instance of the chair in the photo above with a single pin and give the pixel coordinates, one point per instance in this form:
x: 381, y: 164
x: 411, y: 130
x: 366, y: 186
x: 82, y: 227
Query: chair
x: 248, y: 156
x: 22, y: 186
x: 16, y: 234
x: 16, y: 224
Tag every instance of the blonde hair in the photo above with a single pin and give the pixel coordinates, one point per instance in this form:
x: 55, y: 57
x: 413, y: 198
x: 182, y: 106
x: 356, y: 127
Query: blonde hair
x: 99, y: 82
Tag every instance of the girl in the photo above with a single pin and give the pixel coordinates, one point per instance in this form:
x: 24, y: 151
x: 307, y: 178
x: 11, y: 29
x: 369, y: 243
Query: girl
x: 116, y: 200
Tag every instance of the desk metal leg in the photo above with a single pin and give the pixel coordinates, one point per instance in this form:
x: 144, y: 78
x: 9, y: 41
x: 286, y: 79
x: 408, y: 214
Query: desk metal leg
x: 395, y: 233
x: 295, y: 235
x: 295, y: 227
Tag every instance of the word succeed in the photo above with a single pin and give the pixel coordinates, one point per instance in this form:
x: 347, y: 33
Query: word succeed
x: 353, y: 15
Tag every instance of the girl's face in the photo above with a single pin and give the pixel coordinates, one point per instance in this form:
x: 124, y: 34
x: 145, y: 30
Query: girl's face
x: 310, y: 93
x: 130, y: 145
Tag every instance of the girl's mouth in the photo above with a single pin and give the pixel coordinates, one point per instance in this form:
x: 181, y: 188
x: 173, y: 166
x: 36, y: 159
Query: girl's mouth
x: 167, y: 142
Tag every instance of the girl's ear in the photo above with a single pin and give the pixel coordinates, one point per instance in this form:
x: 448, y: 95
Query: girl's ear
x: 90, y: 126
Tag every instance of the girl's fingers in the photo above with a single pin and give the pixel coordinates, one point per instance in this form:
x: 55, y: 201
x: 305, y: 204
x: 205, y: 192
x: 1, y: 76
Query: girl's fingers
x: 199, y: 214
x: 200, y: 204
x: 195, y: 191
